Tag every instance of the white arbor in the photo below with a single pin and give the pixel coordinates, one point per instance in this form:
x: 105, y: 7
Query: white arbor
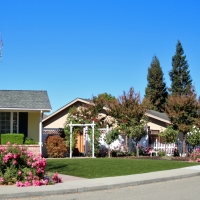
x: 82, y: 125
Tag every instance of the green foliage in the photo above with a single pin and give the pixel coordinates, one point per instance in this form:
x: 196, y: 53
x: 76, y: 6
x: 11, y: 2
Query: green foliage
x: 193, y: 137
x: 29, y: 141
x: 97, y: 134
x: 169, y: 135
x: 134, y: 129
x: 161, y: 153
x: 76, y: 117
x: 180, y: 75
x: 112, y: 135
x: 13, y: 138
x: 56, y: 147
x: 156, y: 89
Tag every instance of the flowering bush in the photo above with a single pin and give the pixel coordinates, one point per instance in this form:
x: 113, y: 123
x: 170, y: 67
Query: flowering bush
x: 195, y: 155
x: 19, y: 166
x: 119, y: 150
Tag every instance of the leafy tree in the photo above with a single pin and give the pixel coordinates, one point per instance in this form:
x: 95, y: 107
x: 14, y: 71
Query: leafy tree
x: 130, y: 114
x: 169, y: 135
x: 135, y: 130
x: 100, y: 103
x: 156, y: 89
x: 182, y: 112
x: 193, y: 138
x: 180, y: 75
x: 111, y: 136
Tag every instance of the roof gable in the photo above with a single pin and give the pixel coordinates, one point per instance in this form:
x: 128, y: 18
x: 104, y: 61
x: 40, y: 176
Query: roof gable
x: 66, y: 106
x: 24, y: 99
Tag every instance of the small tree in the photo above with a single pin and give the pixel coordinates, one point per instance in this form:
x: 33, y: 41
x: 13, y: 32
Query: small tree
x: 193, y: 138
x: 130, y: 114
x: 182, y: 111
x: 111, y: 136
x: 135, y: 130
x: 169, y: 135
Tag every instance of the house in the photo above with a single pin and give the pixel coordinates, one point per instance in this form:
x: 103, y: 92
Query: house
x: 58, y: 118
x: 21, y: 111
x: 53, y: 123
x: 157, y: 122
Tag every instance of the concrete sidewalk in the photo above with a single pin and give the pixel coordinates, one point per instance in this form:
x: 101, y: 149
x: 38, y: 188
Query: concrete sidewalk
x: 75, y: 184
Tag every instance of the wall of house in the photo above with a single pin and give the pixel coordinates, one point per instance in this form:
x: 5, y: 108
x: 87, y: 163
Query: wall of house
x: 33, y: 125
x: 59, y: 119
x: 156, y: 124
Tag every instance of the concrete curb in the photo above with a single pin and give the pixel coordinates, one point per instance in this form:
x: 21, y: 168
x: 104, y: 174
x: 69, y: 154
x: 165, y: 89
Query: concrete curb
x: 92, y: 188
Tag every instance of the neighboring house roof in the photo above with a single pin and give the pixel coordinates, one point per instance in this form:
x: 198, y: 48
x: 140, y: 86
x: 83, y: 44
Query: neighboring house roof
x: 24, y: 100
x: 158, y: 115
x: 66, y: 106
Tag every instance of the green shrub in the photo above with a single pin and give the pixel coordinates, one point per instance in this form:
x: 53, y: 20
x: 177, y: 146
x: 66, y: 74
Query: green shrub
x: 13, y: 138
x: 29, y: 141
x: 161, y: 153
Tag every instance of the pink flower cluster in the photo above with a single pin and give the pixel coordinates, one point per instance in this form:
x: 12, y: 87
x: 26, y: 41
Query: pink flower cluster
x: 31, y: 169
x: 56, y: 179
x: 32, y: 182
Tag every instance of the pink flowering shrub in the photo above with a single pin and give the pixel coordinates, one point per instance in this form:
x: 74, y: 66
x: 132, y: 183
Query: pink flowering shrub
x: 19, y: 166
x: 195, y: 155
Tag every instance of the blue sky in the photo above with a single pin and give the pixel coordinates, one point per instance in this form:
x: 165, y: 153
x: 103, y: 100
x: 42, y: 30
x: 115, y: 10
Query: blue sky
x: 81, y: 48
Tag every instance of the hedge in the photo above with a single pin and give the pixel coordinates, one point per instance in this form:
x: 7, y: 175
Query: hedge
x: 13, y: 138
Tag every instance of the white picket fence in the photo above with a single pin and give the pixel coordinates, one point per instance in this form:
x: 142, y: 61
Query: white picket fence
x: 169, y: 148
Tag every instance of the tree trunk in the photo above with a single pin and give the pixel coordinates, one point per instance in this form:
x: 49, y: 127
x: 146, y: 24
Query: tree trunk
x: 109, y: 152
x: 194, y: 153
x: 127, y: 143
x: 183, y: 144
x: 137, y: 150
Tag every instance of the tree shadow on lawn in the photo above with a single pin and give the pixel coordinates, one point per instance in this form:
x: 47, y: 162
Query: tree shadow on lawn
x: 60, y: 167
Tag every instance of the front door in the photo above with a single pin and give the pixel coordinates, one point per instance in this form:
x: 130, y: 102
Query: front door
x: 153, y: 136
x: 23, y: 123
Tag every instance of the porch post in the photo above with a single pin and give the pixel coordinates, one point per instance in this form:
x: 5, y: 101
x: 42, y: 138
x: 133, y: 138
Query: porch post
x: 40, y: 132
x: 70, y: 139
x: 93, y: 139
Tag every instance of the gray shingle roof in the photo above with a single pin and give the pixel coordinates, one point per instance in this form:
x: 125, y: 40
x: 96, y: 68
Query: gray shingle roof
x: 25, y: 99
x: 158, y: 114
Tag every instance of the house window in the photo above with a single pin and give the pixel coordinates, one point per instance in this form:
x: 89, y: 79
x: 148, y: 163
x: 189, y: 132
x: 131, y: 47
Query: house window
x: 8, y: 122
x: 5, y: 122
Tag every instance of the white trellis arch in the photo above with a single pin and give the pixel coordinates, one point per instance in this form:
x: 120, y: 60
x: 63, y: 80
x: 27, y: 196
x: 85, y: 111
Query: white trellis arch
x: 71, y: 128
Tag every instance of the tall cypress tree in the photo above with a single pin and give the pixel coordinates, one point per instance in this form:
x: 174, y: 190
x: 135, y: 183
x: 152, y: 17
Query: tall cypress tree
x: 156, y: 90
x: 180, y: 75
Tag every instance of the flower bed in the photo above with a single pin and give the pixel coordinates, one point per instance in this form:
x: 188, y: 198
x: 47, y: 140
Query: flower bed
x: 21, y: 167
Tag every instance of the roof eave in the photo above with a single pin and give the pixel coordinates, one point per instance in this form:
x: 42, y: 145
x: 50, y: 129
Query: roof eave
x: 26, y: 109
x: 66, y: 106
x: 158, y: 118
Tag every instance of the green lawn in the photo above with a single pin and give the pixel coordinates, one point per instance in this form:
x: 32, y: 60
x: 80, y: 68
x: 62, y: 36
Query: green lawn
x: 105, y: 167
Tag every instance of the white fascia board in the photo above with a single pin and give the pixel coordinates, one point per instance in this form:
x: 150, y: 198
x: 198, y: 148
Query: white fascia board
x: 158, y: 118
x: 68, y: 105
